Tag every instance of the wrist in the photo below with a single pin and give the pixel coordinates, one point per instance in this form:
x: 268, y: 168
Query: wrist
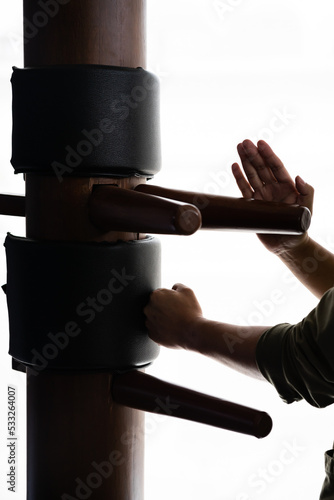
x: 191, y: 339
x: 293, y: 246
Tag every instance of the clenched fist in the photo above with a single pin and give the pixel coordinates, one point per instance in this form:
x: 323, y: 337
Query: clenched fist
x: 172, y: 315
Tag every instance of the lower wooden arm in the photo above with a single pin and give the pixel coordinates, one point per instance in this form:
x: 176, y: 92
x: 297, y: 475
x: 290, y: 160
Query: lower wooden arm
x: 144, y: 392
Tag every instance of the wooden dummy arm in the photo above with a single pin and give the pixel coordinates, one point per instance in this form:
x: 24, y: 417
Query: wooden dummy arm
x: 113, y: 208
x: 12, y: 205
x: 224, y: 212
x: 149, y: 209
x: 144, y: 392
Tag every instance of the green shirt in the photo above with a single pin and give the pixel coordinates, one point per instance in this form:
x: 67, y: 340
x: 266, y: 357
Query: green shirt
x: 298, y: 360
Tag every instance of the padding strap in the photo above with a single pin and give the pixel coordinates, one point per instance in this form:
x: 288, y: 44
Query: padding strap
x: 80, y: 305
x: 86, y: 120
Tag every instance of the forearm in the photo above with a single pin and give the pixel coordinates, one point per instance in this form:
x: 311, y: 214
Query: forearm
x: 312, y: 264
x: 232, y: 345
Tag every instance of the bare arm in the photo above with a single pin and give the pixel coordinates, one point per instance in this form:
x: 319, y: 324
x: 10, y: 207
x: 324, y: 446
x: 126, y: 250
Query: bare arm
x: 175, y: 320
x: 312, y: 264
x: 232, y: 345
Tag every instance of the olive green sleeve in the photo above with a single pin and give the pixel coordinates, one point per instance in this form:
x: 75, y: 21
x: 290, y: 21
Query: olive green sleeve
x: 298, y: 360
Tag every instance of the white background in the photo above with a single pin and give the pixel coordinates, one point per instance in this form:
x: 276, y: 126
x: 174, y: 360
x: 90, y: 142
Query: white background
x: 227, y: 68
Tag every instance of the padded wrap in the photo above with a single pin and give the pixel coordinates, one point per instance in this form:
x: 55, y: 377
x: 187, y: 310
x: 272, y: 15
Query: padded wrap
x: 85, y: 120
x: 80, y: 305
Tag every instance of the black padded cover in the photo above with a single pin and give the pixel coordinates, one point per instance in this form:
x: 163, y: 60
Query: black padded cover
x: 85, y: 120
x: 80, y: 305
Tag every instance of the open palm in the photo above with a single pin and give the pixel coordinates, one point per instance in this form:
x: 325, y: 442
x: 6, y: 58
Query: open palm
x: 267, y: 179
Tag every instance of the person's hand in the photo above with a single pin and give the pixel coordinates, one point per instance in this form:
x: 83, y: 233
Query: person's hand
x: 267, y: 179
x: 170, y: 316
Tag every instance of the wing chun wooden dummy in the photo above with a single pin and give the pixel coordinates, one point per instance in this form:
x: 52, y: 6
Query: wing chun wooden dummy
x: 86, y: 138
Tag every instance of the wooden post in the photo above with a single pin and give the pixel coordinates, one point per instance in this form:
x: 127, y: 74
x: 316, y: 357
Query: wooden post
x: 80, y: 444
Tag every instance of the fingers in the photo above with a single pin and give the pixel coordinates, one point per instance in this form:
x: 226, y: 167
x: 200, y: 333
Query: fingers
x: 248, y: 153
x: 178, y: 287
x: 158, y: 294
x: 243, y: 184
x: 303, y: 188
x: 261, y: 164
x: 170, y: 314
x: 255, y: 166
x: 154, y: 299
x: 306, y: 193
x: 273, y: 162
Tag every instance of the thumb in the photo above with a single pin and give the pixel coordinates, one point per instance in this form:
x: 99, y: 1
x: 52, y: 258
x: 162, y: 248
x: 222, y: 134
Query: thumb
x: 178, y: 287
x: 306, y: 193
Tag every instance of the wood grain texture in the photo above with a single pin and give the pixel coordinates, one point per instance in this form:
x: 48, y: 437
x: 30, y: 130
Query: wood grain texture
x: 86, y: 32
x: 60, y: 211
x: 79, y: 441
x: 72, y: 423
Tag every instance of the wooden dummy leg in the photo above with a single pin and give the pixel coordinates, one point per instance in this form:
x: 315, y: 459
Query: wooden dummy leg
x: 139, y: 390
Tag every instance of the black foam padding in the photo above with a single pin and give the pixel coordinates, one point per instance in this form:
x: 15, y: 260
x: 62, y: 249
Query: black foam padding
x: 86, y: 120
x: 80, y: 305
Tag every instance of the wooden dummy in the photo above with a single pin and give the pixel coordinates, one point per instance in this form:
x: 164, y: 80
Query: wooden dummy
x: 64, y: 437
x: 77, y: 421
